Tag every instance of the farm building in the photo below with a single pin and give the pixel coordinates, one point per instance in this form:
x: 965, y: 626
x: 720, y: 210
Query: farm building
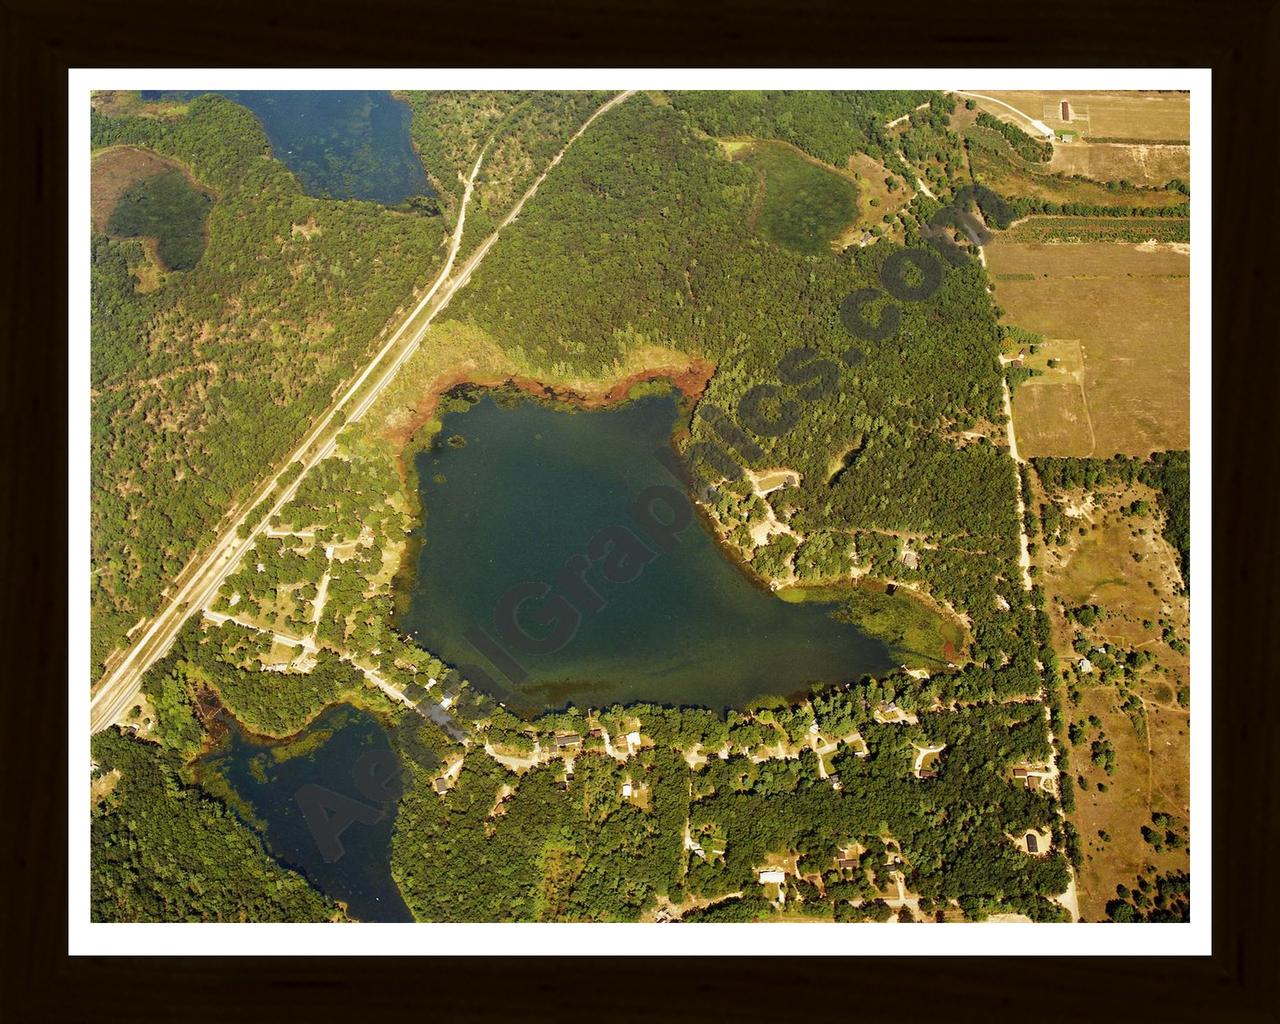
x: 1066, y: 111
x: 775, y: 875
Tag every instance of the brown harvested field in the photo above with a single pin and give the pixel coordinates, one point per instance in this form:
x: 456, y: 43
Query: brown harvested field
x: 1105, y: 161
x: 1118, y: 317
x: 1152, y: 770
x: 1145, y: 116
x: 113, y: 173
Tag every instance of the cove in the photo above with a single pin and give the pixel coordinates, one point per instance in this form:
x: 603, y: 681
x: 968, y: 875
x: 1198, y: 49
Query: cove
x: 347, y: 144
x: 269, y: 780
x: 511, y: 488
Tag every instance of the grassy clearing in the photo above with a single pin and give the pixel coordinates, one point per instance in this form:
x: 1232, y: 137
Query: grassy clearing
x: 875, y: 199
x: 801, y: 205
x: 113, y: 173
x: 168, y: 208
x: 1128, y: 309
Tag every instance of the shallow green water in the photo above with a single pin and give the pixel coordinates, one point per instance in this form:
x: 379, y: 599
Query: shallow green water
x: 319, y: 811
x: 511, y: 491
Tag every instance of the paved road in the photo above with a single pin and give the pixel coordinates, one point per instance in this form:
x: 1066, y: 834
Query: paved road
x: 118, y: 687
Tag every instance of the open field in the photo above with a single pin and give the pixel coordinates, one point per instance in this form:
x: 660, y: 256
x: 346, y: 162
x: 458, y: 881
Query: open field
x: 1149, y: 116
x: 1127, y: 310
x: 1150, y: 767
x: 801, y: 203
x: 1143, y: 164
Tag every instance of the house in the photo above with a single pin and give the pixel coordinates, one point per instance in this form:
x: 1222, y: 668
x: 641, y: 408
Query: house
x: 847, y: 863
x: 928, y: 773
x: 1033, y: 844
x: 1015, y: 363
x: 776, y: 876
x: 597, y: 734
x: 568, y: 740
x: 909, y: 558
x: 1019, y: 773
x: 633, y: 740
x: 1033, y: 781
x: 441, y: 785
x: 626, y: 790
x: 1086, y: 666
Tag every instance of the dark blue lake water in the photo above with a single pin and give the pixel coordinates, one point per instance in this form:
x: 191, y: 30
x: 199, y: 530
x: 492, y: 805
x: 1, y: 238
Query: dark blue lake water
x: 513, y: 490
x: 345, y: 144
x: 312, y: 795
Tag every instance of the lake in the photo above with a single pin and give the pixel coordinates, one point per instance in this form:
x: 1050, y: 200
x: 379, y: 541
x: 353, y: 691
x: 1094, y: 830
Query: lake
x: 290, y: 787
x: 512, y: 488
x: 347, y: 144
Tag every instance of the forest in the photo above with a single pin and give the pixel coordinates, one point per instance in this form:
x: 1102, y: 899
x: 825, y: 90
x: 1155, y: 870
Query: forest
x: 830, y: 124
x: 201, y: 385
x: 164, y: 850
x: 519, y: 132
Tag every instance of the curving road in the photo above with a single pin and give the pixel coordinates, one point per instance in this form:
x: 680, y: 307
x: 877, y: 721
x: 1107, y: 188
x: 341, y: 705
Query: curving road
x: 114, y: 692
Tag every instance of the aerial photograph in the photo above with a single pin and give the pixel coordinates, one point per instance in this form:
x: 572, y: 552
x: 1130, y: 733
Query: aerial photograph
x: 655, y: 506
